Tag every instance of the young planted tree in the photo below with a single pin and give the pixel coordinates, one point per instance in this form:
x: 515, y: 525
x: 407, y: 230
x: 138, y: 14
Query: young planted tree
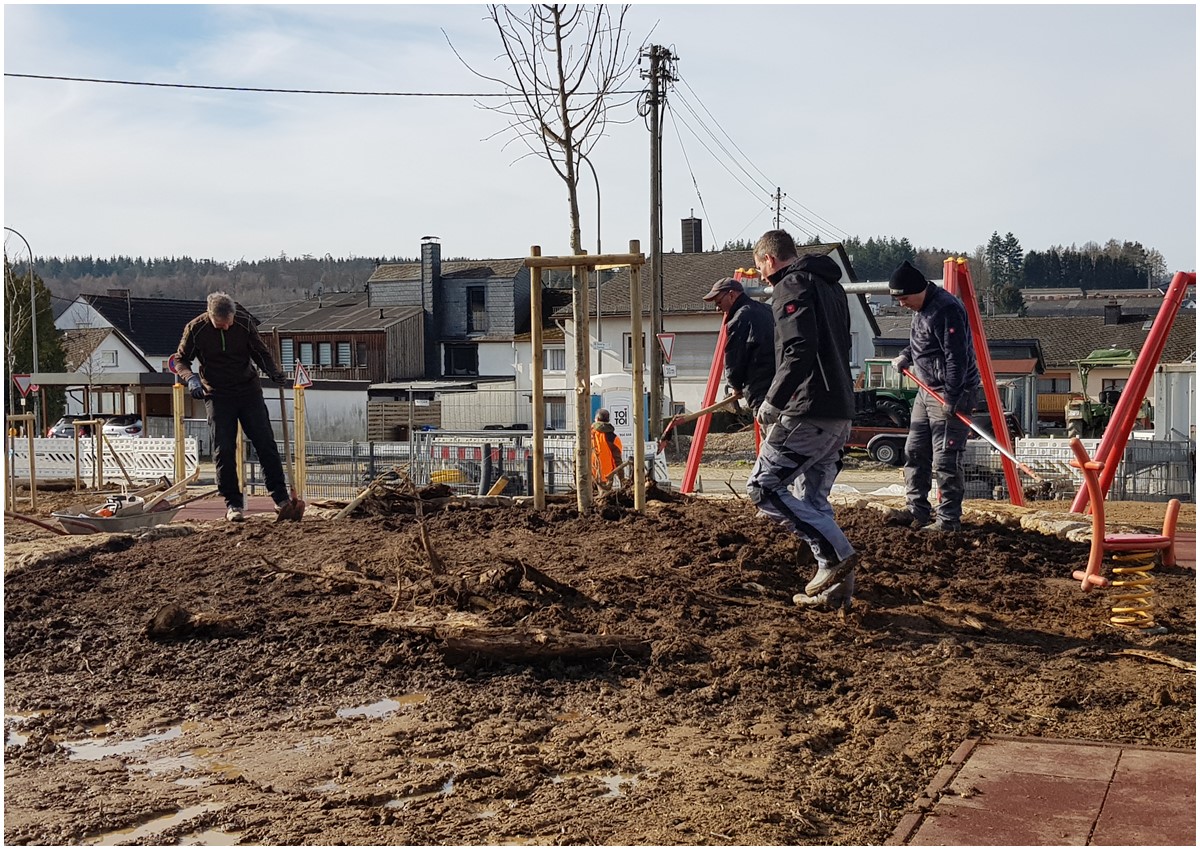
x: 568, y: 65
x: 18, y: 335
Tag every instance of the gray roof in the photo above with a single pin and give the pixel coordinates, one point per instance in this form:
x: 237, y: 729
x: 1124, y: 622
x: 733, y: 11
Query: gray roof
x: 463, y: 269
x: 342, y: 311
x: 1065, y: 339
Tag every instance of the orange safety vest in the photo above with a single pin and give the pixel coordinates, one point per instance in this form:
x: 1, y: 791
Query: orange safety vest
x: 604, y: 458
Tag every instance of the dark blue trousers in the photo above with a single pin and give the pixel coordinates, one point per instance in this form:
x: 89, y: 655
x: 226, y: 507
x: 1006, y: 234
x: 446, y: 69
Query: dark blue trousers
x: 225, y: 412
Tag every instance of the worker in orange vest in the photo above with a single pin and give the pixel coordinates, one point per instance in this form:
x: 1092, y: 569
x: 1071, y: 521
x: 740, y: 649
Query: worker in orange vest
x: 606, y: 451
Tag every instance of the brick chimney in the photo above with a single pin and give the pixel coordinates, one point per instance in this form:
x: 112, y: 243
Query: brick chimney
x: 1112, y: 313
x: 693, y: 237
x: 431, y: 301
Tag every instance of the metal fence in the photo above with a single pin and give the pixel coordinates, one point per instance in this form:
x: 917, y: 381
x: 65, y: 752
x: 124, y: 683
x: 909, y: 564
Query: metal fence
x: 1149, y: 471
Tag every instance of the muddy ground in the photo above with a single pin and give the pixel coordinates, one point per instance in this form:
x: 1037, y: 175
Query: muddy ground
x: 319, y: 683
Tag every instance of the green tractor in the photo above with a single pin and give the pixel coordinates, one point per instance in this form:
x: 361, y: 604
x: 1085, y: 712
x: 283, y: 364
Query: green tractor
x: 885, y: 397
x: 1086, y: 418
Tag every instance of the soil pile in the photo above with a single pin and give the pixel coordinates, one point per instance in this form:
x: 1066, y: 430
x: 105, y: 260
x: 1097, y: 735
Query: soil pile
x: 619, y: 678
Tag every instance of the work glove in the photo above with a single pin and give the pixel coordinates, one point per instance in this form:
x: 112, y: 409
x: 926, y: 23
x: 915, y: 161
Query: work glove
x: 280, y: 378
x: 195, y: 387
x: 901, y: 363
x: 950, y: 408
x: 768, y: 414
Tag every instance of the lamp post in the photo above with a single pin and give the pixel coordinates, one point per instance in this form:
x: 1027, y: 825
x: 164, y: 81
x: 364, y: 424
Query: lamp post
x: 32, y: 308
x: 599, y: 335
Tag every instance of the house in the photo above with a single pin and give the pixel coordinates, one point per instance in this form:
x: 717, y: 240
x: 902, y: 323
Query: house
x: 695, y: 323
x: 1064, y: 340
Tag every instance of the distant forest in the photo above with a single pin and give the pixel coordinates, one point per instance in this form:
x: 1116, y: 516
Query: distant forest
x: 1000, y: 270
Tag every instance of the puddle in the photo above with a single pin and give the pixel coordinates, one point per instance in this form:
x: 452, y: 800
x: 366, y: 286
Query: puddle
x: 13, y: 738
x: 403, y: 802
x: 383, y: 707
x: 328, y: 787
x: 155, y: 826
x: 210, y: 838
x: 170, y: 764
x: 101, y: 749
x: 611, y: 781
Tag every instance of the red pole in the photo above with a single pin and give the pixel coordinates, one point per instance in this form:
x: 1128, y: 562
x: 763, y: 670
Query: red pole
x: 1116, y: 435
x: 710, y: 395
x: 960, y: 276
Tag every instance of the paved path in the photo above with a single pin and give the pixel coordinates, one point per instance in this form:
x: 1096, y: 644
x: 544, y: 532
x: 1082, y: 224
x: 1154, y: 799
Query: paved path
x: 1039, y: 791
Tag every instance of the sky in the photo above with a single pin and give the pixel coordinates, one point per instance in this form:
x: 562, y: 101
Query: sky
x: 939, y: 123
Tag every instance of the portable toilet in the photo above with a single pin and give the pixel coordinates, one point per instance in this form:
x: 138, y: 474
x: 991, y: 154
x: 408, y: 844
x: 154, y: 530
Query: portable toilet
x: 614, y: 391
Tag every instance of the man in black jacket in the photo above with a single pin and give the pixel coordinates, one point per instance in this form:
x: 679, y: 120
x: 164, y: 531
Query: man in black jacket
x: 231, y: 353
x: 749, y: 341
x: 807, y: 411
x: 943, y: 357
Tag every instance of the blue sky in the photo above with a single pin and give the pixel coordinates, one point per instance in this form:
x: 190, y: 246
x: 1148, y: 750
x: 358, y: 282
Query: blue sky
x: 939, y: 123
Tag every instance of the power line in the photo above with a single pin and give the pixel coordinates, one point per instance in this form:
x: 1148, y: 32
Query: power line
x: 692, y: 173
x: 286, y: 91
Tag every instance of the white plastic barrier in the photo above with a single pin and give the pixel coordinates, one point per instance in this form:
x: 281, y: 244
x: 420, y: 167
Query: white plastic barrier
x: 146, y: 459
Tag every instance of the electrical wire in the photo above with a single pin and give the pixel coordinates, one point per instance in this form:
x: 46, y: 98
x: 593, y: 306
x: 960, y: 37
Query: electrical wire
x: 692, y: 173
x: 284, y: 91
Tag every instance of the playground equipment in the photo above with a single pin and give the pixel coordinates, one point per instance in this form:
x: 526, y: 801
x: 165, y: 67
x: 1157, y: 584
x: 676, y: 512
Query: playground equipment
x: 1133, y: 555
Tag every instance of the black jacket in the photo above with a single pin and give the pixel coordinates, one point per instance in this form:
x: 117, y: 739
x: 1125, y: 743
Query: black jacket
x: 940, y: 347
x: 229, y: 360
x: 812, y: 341
x: 750, y: 349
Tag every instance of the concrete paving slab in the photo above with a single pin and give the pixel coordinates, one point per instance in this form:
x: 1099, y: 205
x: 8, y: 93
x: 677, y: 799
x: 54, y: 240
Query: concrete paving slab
x: 1037, y: 792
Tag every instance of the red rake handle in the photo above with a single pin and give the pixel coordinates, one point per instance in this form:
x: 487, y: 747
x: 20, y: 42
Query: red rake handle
x: 967, y: 421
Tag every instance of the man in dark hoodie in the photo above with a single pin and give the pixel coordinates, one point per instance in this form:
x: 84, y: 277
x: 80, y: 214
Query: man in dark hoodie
x: 807, y: 411
x: 749, y: 341
x: 941, y: 352
x: 231, y: 352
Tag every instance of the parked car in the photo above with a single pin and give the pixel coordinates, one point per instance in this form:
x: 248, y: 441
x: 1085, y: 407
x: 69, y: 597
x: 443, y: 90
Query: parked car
x: 63, y: 428
x: 124, y: 425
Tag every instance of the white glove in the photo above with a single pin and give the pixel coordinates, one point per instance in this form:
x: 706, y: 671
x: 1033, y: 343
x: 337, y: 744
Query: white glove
x: 768, y: 414
x: 901, y: 363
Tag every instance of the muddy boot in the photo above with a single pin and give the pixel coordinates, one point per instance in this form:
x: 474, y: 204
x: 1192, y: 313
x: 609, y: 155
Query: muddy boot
x: 941, y: 526
x: 908, y: 519
x: 830, y: 575
x: 835, y: 598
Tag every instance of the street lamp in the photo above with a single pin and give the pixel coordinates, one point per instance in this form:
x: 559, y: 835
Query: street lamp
x: 32, y: 300
x: 599, y: 335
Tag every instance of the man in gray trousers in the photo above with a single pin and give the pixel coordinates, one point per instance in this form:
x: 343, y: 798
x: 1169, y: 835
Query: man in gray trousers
x: 807, y: 412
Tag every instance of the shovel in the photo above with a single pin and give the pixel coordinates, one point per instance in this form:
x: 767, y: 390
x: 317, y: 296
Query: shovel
x: 294, y: 509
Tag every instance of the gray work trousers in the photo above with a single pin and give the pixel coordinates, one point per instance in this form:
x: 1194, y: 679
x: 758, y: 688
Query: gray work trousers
x: 807, y: 451
x: 935, y: 446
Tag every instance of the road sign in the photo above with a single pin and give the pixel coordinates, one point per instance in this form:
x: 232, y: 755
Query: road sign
x: 302, y: 379
x: 601, y: 346
x: 667, y: 341
x: 33, y: 388
x: 670, y: 370
x: 171, y: 364
x: 22, y: 382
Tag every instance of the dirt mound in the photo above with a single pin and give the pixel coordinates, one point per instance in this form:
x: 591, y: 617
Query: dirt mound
x: 319, y: 683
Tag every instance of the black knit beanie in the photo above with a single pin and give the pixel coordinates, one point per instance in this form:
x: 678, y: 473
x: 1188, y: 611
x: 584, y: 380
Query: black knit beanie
x: 907, y: 280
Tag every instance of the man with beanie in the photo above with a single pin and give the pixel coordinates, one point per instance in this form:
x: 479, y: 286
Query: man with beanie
x: 941, y: 353
x: 806, y: 412
x: 231, y: 352
x: 749, y: 341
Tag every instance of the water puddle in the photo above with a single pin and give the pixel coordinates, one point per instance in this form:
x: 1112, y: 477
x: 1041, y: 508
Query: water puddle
x: 611, y: 781
x: 403, y: 802
x: 210, y: 838
x: 171, y: 764
x: 102, y: 748
x: 13, y: 722
x: 383, y: 707
x: 155, y: 826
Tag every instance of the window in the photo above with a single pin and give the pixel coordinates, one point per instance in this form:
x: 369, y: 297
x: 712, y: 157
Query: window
x: 108, y: 357
x: 325, y: 352
x: 360, y: 357
x: 1054, y: 385
x: 556, y: 413
x: 476, y: 309
x: 555, y: 358
x: 462, y: 360
x: 343, y: 354
x: 1113, y: 383
x: 306, y: 353
x: 287, y: 353
x: 627, y: 351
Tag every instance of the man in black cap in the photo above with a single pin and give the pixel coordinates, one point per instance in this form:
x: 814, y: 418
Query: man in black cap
x: 940, y: 352
x: 749, y: 341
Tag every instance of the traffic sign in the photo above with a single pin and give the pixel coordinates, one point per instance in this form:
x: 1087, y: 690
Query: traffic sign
x: 302, y: 378
x: 667, y: 341
x: 670, y: 371
x: 171, y: 364
x: 33, y: 388
x: 22, y: 382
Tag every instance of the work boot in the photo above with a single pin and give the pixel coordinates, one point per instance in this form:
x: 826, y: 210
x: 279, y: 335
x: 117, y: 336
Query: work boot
x: 942, y: 526
x: 837, y: 597
x: 826, y: 577
x: 907, y: 519
x: 234, y: 514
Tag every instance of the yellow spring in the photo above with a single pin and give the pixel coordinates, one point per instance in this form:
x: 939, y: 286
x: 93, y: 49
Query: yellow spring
x: 1133, y: 606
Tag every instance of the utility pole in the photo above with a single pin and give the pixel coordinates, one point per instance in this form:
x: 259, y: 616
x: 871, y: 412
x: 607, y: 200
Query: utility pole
x: 660, y: 72
x: 778, y: 206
